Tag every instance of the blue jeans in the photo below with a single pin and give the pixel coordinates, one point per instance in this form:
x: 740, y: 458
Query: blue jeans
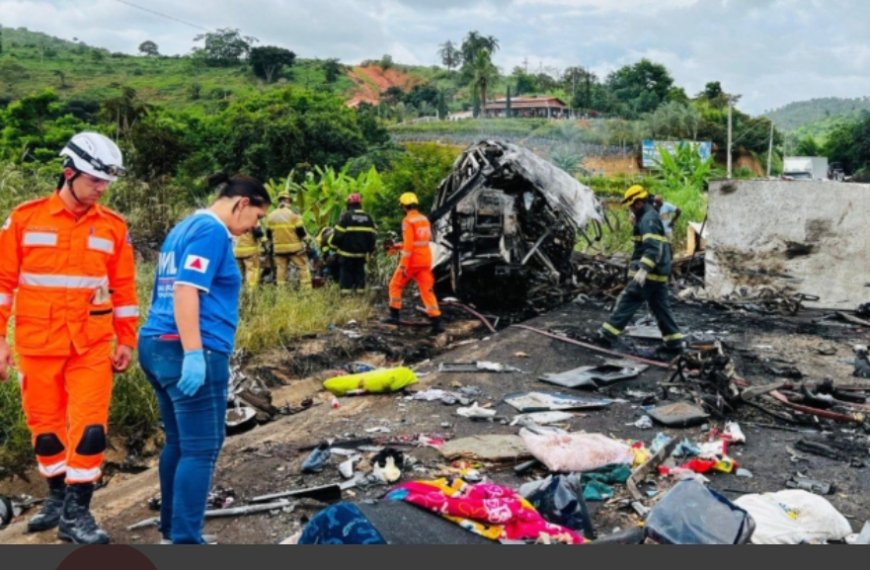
x: 195, y: 428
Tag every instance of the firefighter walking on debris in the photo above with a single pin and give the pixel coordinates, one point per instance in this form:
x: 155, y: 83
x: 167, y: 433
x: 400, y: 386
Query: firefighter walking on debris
x: 68, y: 266
x: 649, y: 270
x: 415, y: 263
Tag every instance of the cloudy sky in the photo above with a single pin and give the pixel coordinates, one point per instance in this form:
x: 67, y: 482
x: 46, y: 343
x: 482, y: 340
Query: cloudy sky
x: 770, y: 51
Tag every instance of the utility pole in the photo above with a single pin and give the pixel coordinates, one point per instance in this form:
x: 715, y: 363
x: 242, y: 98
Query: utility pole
x: 770, y: 150
x: 729, y: 140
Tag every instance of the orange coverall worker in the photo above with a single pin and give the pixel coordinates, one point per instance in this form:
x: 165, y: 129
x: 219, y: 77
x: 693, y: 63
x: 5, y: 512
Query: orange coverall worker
x: 416, y: 263
x: 76, y: 289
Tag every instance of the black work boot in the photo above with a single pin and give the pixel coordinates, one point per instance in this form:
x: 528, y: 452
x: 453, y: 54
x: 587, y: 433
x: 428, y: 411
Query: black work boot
x: 77, y: 524
x: 393, y: 319
x: 437, y: 327
x: 49, y: 515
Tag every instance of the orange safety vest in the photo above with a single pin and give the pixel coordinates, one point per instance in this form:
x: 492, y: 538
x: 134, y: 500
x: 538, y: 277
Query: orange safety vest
x: 73, y: 282
x: 416, y: 235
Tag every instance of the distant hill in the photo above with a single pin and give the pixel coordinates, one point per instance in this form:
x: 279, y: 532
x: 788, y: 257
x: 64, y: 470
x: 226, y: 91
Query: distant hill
x: 32, y: 61
x: 816, y: 115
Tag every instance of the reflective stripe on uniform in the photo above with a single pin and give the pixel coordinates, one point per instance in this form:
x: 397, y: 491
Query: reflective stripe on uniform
x: 361, y: 229
x: 53, y: 469
x: 74, y: 475
x: 126, y: 312
x: 343, y: 253
x: 101, y: 244
x: 406, y: 254
x: 651, y: 277
x: 648, y: 262
x: 611, y: 329
x: 39, y: 238
x: 5, y: 300
x: 675, y: 336
x: 654, y: 237
x: 63, y: 281
x: 421, y: 244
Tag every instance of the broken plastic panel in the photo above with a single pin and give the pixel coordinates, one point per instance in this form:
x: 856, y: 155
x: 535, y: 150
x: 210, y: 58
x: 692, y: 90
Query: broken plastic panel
x: 594, y: 376
x: 543, y: 402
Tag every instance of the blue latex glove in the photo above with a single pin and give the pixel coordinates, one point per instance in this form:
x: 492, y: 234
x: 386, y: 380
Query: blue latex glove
x: 192, y: 372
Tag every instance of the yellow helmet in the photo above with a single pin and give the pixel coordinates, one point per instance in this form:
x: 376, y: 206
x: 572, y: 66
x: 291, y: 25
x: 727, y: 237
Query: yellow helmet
x: 284, y: 196
x: 634, y: 194
x: 408, y: 199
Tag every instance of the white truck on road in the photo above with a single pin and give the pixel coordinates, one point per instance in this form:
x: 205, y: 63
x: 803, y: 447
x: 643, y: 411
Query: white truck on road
x: 805, y: 168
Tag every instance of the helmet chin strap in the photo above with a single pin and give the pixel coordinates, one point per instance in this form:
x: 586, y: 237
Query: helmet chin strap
x: 72, y: 189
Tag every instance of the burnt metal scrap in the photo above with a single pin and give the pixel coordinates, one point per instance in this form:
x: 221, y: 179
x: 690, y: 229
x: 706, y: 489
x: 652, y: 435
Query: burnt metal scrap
x: 506, y: 223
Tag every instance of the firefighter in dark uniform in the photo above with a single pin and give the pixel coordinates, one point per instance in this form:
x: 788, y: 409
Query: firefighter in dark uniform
x: 649, y: 270
x: 353, y: 240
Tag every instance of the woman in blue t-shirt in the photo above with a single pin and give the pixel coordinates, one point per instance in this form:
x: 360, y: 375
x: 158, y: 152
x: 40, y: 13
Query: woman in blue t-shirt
x: 185, y: 347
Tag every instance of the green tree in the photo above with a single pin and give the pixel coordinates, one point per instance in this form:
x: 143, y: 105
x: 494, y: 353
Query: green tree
x: 149, y: 48
x: 224, y: 47
x: 270, y: 134
x: 641, y: 87
x: 332, y: 68
x: 849, y: 144
x: 450, y: 56
x: 483, y: 74
x: 524, y: 83
x: 807, y: 146
x: 267, y: 61
x: 471, y: 47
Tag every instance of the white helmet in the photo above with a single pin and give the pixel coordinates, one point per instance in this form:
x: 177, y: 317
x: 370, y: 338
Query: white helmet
x: 94, y: 154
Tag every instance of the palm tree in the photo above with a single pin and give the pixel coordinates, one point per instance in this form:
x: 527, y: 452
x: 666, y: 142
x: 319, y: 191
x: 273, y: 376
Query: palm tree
x: 484, y: 73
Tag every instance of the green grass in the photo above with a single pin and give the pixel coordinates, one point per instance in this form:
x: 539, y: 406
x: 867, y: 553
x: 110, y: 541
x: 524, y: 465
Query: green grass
x: 275, y: 317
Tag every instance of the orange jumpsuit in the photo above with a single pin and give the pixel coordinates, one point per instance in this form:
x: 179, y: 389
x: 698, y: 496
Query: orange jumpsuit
x: 416, y: 263
x: 76, y: 290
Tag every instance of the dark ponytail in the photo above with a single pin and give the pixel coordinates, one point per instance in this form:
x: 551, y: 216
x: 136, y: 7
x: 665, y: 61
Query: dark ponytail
x: 240, y: 185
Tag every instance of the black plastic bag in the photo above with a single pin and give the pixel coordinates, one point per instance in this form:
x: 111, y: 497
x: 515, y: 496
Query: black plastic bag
x: 693, y: 514
x: 559, y: 499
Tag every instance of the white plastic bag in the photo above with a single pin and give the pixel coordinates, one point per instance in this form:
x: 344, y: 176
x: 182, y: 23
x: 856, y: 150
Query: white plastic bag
x: 793, y: 516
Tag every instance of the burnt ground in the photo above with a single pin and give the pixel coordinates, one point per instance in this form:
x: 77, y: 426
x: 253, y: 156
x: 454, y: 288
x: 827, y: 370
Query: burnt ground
x: 268, y: 458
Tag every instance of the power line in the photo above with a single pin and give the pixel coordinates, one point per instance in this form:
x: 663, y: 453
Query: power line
x: 162, y: 15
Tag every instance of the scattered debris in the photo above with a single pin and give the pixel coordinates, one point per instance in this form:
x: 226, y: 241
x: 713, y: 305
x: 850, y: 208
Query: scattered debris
x: 712, y: 519
x: 794, y: 516
x: 799, y: 481
x: 476, y: 412
x: 559, y: 499
x: 570, y: 452
x: 543, y: 402
x: 489, y: 447
x: 680, y: 414
x: 541, y: 418
x: 595, y: 376
x: 372, y: 382
x: 317, y: 459
x: 387, y: 465
x: 479, y: 366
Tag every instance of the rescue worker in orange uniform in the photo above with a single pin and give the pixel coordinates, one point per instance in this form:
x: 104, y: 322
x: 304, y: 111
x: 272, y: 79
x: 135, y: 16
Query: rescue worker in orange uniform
x: 67, y: 275
x: 415, y: 263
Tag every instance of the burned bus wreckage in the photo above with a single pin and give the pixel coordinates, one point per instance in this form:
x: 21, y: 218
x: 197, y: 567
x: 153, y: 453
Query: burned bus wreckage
x: 505, y: 223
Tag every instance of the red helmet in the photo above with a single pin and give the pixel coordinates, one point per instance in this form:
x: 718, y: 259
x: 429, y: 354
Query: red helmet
x: 354, y: 198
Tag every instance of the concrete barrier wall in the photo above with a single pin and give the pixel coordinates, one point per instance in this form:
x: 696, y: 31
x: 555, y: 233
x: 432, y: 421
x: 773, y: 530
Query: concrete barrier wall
x: 811, y: 237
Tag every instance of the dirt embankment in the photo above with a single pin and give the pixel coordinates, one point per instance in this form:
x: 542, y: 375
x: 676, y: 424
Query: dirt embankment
x: 372, y: 81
